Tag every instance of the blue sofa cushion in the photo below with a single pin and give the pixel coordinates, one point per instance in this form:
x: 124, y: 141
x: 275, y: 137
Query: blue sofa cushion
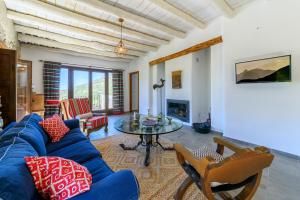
x: 29, y: 130
x: 10, y: 125
x: 72, y: 123
x: 34, y: 119
x: 15, y: 179
x: 73, y: 136
x: 30, y: 135
x: 80, y: 152
x: 98, y: 168
x: 121, y: 185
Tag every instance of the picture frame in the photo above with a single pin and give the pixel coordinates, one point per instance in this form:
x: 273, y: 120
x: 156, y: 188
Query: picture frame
x: 271, y: 69
x: 176, y: 79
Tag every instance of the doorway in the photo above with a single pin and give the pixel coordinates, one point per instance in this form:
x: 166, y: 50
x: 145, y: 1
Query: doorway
x: 24, y: 88
x: 134, y: 87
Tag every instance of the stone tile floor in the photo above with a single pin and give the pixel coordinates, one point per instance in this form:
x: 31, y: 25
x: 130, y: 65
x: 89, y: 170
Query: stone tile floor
x: 280, y: 182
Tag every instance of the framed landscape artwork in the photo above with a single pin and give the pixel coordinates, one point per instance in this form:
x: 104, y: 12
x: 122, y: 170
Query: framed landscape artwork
x: 176, y: 79
x: 275, y: 69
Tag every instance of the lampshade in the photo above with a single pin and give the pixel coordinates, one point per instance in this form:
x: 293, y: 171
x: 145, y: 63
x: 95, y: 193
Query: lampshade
x: 120, y: 49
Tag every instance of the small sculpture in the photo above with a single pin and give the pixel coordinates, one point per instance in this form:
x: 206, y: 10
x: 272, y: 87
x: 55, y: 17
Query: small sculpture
x: 161, y: 97
x: 159, y: 86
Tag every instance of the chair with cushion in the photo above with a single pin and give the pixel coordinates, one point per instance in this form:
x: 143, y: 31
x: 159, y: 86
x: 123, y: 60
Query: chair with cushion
x: 213, y: 173
x: 79, y: 108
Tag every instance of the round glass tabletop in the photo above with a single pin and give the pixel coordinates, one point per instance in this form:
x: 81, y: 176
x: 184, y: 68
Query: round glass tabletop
x: 143, y: 127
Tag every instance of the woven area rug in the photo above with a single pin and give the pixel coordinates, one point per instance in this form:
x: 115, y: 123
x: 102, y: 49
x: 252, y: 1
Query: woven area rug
x: 160, y: 179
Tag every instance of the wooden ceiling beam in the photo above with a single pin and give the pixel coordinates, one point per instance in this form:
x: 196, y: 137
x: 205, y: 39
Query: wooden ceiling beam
x: 79, y: 49
x: 68, y: 17
x: 72, y: 53
x: 225, y: 8
x: 69, y: 40
x: 129, y: 16
x: 192, y: 49
x: 78, y: 32
x: 177, y: 12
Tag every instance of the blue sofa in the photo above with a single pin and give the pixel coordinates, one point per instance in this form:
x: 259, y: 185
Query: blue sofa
x: 27, y: 138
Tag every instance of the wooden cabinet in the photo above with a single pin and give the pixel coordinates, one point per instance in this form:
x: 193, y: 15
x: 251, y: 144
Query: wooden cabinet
x: 15, y: 86
x: 37, y: 105
x: 8, y: 85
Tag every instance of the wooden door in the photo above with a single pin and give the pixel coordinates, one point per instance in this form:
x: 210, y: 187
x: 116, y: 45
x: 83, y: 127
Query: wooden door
x: 24, y: 88
x: 8, y: 85
x: 134, y: 91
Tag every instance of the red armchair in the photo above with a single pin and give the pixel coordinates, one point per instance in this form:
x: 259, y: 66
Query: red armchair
x: 79, y: 108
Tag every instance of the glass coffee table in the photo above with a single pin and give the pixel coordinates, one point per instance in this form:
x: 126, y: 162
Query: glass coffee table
x: 146, y: 131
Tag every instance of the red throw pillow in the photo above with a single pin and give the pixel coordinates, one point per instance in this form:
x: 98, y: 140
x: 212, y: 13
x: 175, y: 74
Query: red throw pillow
x: 55, y: 127
x: 57, y: 178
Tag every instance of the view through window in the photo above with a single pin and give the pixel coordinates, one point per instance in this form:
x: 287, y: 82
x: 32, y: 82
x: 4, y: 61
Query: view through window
x: 63, y: 84
x: 85, y: 81
x: 98, y: 86
x: 81, y: 84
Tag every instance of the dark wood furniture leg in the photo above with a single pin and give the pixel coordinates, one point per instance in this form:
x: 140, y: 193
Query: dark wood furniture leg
x: 148, y: 139
x: 182, y: 188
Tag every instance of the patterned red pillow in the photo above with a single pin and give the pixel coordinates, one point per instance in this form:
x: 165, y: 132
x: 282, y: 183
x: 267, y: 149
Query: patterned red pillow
x: 55, y: 127
x: 57, y: 178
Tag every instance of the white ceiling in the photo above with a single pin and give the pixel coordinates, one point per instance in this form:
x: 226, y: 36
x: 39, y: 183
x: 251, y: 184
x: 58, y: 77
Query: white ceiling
x: 148, y: 23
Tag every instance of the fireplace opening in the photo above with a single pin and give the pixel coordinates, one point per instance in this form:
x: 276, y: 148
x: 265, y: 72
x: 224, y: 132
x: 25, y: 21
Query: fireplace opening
x: 178, y: 109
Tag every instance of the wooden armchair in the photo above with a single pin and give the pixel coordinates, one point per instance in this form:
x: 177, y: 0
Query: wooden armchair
x: 79, y: 108
x: 241, y: 170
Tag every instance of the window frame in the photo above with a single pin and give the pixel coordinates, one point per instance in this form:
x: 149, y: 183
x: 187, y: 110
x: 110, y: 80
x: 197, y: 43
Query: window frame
x: 71, y: 70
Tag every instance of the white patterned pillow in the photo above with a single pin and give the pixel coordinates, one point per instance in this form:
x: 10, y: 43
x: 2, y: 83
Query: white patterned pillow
x: 205, y: 151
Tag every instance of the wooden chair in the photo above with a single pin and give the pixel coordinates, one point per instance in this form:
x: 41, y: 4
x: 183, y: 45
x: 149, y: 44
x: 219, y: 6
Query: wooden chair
x: 241, y: 170
x: 79, y: 108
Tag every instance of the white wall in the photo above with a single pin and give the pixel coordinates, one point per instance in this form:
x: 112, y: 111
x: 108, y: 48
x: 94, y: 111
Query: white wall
x: 195, y: 80
x: 161, y: 98
x: 142, y: 65
x: 216, y: 87
x: 157, y: 97
x: 263, y: 113
x: 183, y: 64
x: 153, y: 94
x: 200, y: 89
x: 7, y: 30
x: 35, y: 54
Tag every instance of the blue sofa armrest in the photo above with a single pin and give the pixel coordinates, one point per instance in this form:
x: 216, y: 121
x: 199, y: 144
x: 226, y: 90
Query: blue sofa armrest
x: 72, y: 123
x: 121, y: 185
x: 10, y: 125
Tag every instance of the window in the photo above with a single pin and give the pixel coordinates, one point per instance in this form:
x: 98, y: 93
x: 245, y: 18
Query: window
x: 81, y: 84
x: 98, y: 91
x: 63, y: 84
x: 91, y: 83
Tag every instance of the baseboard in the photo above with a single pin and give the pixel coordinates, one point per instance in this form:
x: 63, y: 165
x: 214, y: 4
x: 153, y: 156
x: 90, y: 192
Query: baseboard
x: 217, y: 131
x: 255, y: 145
